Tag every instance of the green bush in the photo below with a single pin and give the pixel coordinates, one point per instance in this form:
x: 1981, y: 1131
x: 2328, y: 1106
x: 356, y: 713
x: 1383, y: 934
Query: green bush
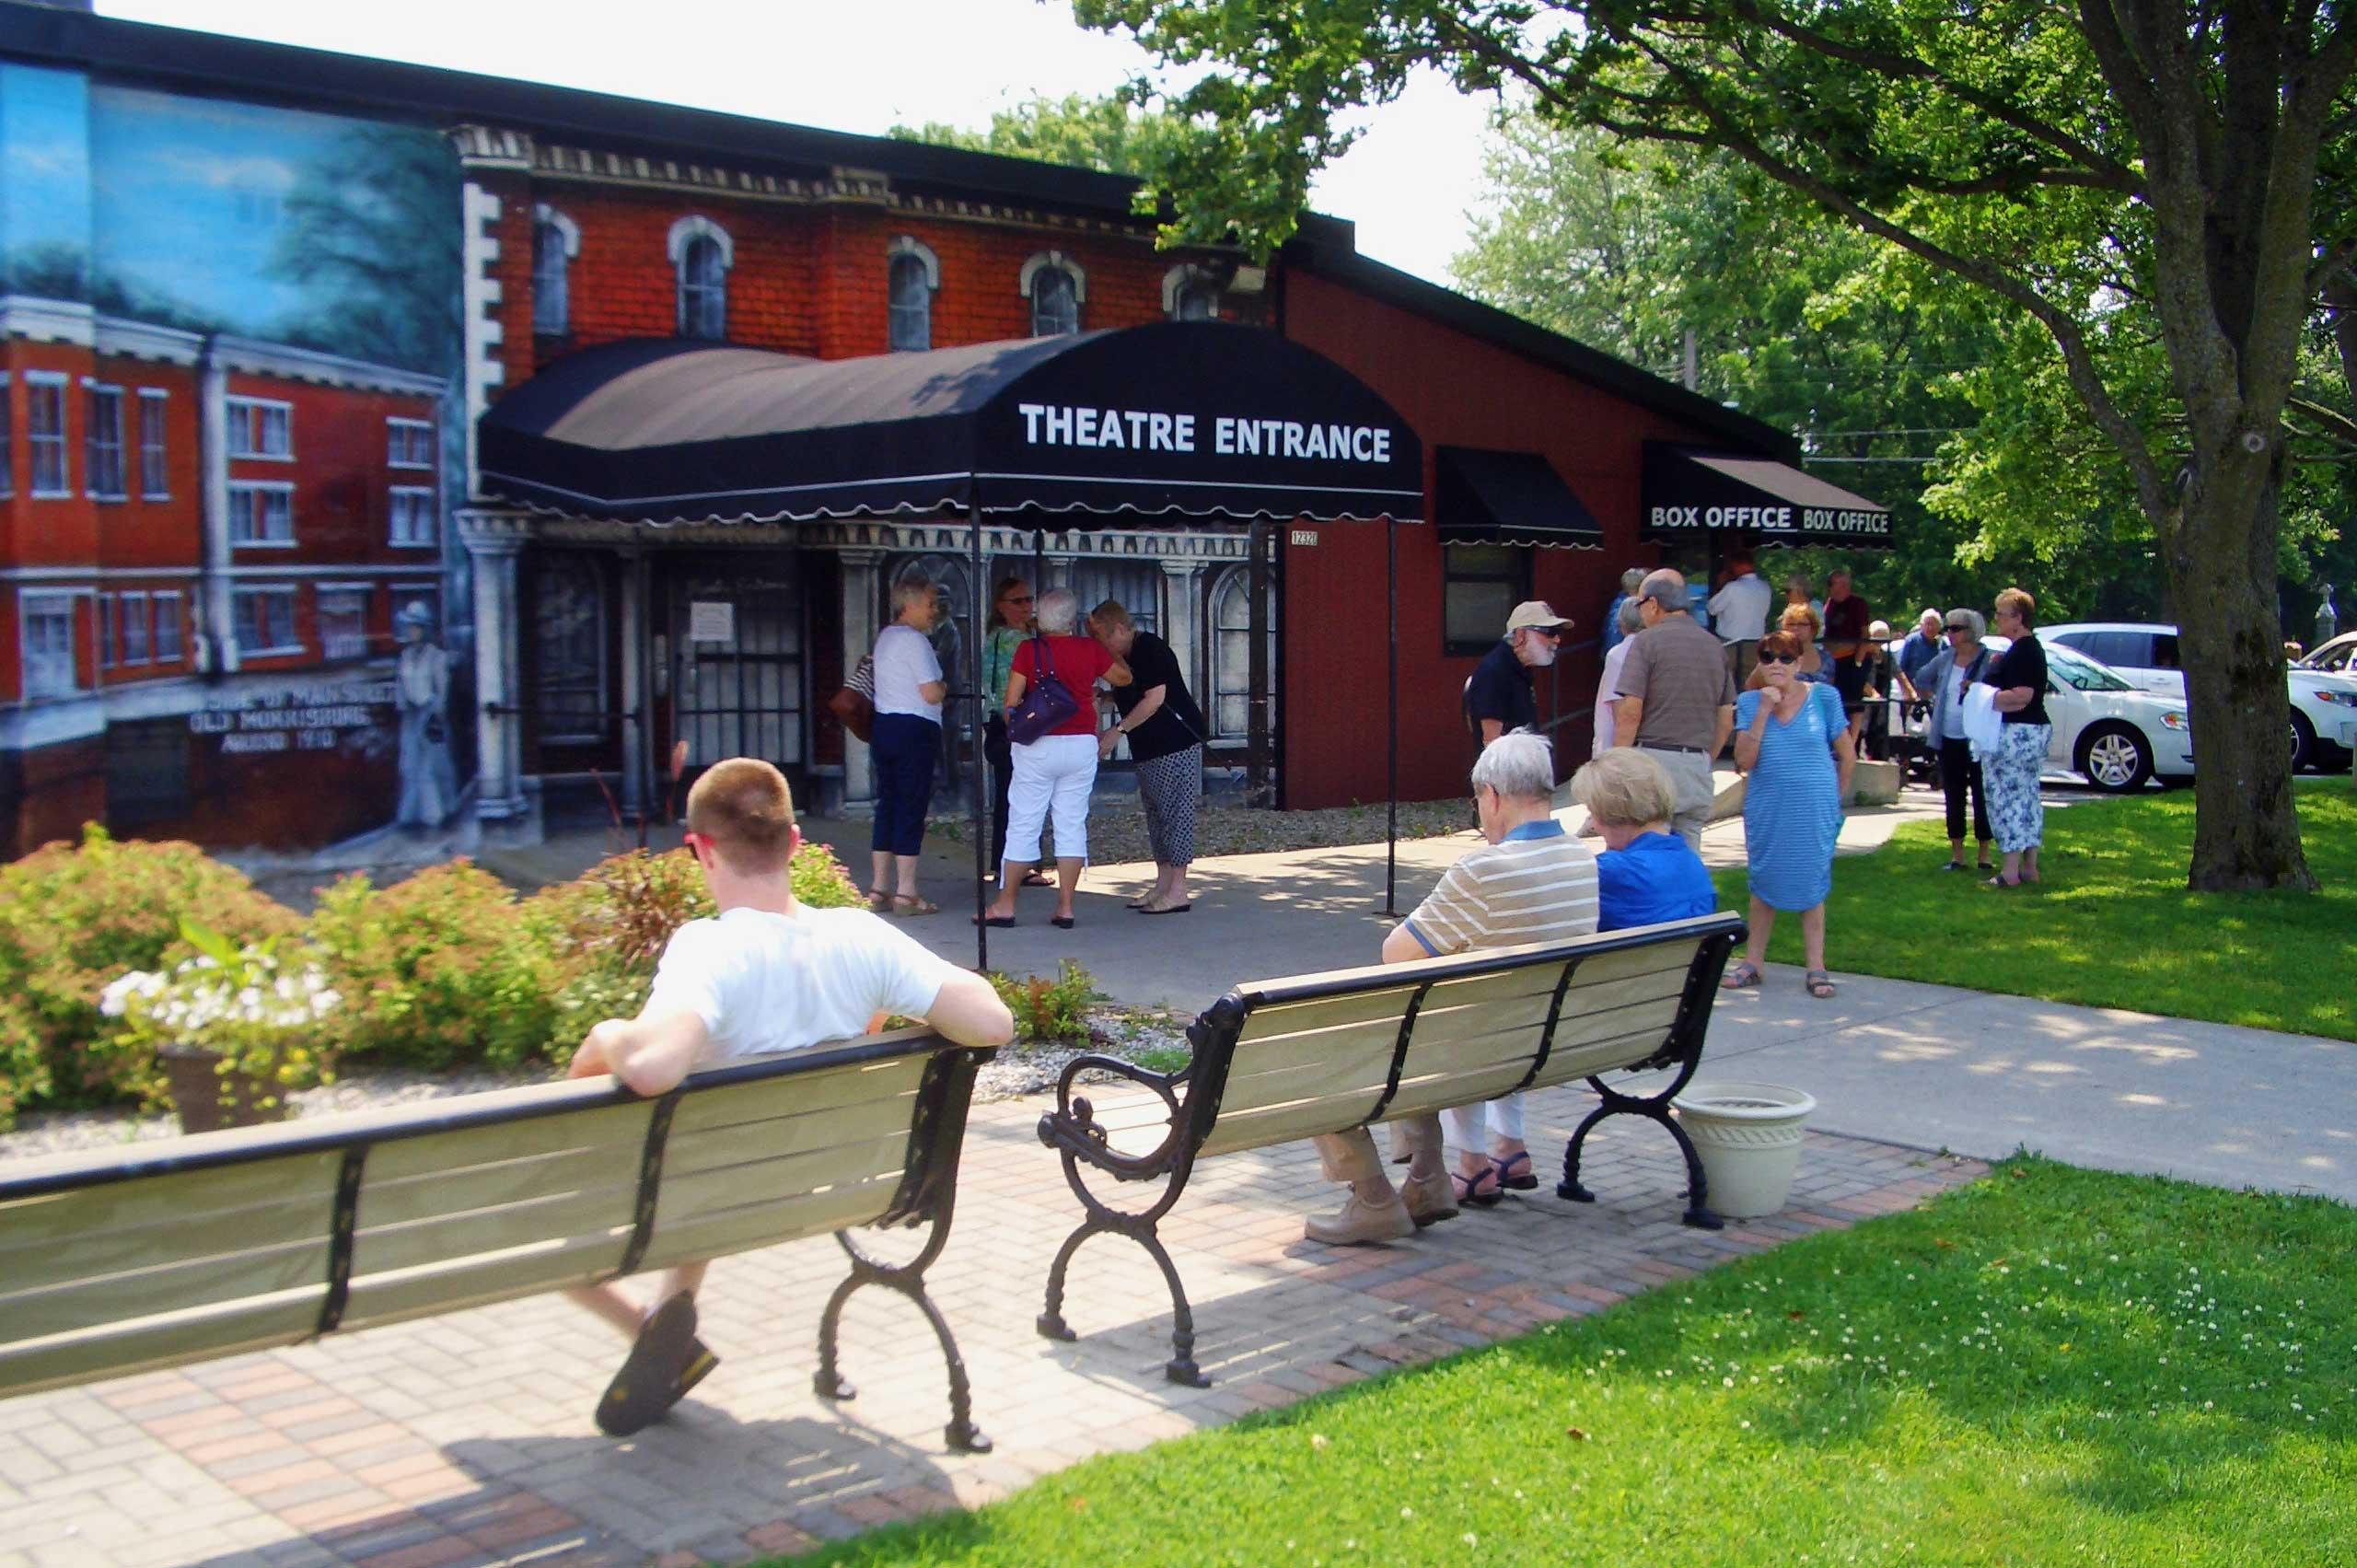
x: 74, y: 917
x: 442, y: 970
x: 1048, y: 1009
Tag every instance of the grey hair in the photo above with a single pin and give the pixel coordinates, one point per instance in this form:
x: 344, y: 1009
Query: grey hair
x: 912, y: 590
x: 1625, y: 787
x: 1633, y: 620
x: 1630, y: 578
x: 1979, y: 621
x: 1666, y: 587
x: 1519, y: 765
x: 1058, y: 612
x: 1931, y: 613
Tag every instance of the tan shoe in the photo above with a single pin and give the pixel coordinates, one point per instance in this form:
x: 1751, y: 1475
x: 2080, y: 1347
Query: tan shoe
x: 1359, y: 1221
x: 1430, y: 1199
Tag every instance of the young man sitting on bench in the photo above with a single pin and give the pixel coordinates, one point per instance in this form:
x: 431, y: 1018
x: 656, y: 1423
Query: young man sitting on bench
x: 765, y: 975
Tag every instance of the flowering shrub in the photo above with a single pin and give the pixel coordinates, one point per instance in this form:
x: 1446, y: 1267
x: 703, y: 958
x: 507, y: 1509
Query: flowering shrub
x: 440, y: 970
x: 74, y: 916
x: 1047, y: 1009
x: 268, y: 1016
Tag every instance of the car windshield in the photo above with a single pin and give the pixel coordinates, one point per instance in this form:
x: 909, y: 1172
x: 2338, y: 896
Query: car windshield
x: 2083, y: 672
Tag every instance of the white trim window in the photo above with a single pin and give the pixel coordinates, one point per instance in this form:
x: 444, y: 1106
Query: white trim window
x: 262, y: 512
x: 556, y: 240
x: 1189, y: 294
x: 912, y: 273
x: 343, y: 620
x: 106, y: 631
x: 409, y: 443
x: 102, y: 442
x: 7, y: 439
x: 701, y: 255
x: 413, y: 522
x: 134, y: 621
x: 170, y: 611
x: 263, y: 622
x: 155, y: 456
x: 45, y: 638
x: 261, y: 428
x: 45, y: 433
x: 1057, y: 288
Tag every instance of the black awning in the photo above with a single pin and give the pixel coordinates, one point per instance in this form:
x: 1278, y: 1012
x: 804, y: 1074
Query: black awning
x: 1690, y: 493
x: 1194, y: 419
x: 1483, y: 497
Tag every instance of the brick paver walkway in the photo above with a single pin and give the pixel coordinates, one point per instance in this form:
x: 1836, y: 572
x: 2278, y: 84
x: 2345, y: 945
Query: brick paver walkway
x: 467, y: 1439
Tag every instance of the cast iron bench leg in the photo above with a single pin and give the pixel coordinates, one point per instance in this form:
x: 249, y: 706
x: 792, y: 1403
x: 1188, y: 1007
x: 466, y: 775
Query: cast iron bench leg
x: 1698, y: 1212
x: 829, y: 1382
x: 1181, y: 1367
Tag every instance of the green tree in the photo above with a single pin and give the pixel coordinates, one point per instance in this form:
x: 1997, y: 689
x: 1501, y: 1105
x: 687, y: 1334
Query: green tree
x: 1109, y: 134
x: 1987, y: 141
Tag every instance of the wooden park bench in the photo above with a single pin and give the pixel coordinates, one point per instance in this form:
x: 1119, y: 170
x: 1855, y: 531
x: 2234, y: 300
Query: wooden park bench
x: 158, y: 1254
x: 1280, y: 1059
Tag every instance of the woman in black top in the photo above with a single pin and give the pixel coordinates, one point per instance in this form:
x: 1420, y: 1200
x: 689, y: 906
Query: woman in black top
x: 1165, y: 735
x: 2011, y: 774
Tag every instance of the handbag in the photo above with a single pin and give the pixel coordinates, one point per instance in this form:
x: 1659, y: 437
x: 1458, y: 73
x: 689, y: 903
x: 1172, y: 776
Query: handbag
x: 854, y: 706
x: 1046, y: 704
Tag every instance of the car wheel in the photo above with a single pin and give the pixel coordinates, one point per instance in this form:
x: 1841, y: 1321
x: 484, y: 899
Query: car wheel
x: 2304, y: 742
x: 2115, y: 758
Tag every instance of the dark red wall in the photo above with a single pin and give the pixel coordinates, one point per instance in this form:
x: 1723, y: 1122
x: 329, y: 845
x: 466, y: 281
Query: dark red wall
x: 1459, y: 391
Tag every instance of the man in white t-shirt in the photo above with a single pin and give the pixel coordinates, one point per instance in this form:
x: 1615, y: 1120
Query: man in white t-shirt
x: 764, y: 975
x: 1740, y: 608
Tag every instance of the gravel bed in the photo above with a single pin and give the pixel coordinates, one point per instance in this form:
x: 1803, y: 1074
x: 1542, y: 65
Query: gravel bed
x: 1117, y: 828
x: 1028, y: 1068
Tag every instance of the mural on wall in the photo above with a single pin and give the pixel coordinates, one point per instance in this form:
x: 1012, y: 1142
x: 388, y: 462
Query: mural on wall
x: 265, y: 304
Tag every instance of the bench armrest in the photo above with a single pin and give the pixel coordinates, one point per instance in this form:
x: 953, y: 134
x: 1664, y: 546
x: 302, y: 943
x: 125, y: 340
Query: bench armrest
x: 1073, y: 1128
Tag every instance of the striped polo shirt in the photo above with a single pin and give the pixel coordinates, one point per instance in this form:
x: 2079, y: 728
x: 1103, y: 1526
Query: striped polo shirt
x: 1538, y: 884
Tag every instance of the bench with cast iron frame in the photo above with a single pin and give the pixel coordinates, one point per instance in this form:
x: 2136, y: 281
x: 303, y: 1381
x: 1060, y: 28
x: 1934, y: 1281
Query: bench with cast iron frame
x: 156, y: 1255
x: 1279, y: 1061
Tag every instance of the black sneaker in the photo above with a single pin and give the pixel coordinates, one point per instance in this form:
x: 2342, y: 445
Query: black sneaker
x: 667, y: 1361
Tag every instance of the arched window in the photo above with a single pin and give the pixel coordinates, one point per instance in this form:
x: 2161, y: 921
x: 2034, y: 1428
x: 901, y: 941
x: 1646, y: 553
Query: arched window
x: 1231, y: 655
x: 556, y: 240
x: 1189, y: 294
x: 1057, y: 288
x: 912, y: 275
x: 702, y: 253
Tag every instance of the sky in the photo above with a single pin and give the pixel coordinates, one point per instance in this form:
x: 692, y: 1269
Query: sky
x: 864, y: 67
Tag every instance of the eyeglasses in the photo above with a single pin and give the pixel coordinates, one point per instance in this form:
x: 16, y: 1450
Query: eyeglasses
x: 1766, y: 658
x: 1016, y: 598
x: 692, y: 837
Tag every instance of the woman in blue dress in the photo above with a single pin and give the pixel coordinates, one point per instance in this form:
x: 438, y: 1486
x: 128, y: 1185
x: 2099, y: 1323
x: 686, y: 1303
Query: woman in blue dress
x: 1794, y: 741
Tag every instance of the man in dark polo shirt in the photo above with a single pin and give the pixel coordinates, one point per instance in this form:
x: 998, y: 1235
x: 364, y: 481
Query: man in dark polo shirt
x: 1847, y: 646
x: 1676, y: 699
x: 1497, y: 696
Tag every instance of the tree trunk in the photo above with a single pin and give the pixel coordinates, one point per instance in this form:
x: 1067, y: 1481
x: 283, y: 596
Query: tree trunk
x: 2221, y: 563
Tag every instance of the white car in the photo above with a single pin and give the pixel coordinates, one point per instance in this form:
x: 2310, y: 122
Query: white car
x: 2323, y: 704
x: 2119, y: 737
x: 2338, y: 657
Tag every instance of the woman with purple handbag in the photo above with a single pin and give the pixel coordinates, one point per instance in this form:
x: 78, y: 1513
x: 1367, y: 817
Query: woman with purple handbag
x: 1052, y: 731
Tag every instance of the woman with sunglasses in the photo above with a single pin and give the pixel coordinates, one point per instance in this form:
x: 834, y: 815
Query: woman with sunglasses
x: 1009, y: 626
x: 1792, y: 741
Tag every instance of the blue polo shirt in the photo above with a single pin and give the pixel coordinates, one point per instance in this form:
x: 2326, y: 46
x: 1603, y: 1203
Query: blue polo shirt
x: 1656, y: 879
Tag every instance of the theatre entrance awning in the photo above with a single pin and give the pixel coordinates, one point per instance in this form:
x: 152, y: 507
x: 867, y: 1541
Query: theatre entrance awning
x: 1170, y: 420
x: 1692, y: 494
x: 1485, y: 497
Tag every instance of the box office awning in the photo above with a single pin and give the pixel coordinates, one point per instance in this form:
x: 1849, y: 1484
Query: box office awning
x: 1188, y: 419
x: 1485, y: 497
x: 1689, y: 493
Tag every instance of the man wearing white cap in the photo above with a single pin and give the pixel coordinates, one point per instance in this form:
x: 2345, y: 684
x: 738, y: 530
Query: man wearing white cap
x: 1497, y: 695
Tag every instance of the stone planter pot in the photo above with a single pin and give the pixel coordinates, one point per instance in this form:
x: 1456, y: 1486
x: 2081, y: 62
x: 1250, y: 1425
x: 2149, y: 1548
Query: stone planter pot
x: 205, y: 1099
x: 1748, y: 1136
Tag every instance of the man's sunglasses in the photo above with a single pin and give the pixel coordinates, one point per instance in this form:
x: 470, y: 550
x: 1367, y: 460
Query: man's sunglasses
x: 1779, y: 658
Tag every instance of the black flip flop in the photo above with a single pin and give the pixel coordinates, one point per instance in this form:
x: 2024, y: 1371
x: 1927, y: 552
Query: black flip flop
x: 998, y: 920
x: 1061, y: 921
x: 665, y: 1363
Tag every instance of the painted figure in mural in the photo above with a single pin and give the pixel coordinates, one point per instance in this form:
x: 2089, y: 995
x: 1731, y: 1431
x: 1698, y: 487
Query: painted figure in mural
x: 421, y: 688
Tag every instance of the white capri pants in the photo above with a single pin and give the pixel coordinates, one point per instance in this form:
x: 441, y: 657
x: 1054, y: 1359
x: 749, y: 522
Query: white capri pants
x: 1500, y: 1117
x: 1054, y: 773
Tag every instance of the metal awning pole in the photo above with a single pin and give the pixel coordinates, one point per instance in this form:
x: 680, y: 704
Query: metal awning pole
x: 974, y: 725
x: 1391, y: 828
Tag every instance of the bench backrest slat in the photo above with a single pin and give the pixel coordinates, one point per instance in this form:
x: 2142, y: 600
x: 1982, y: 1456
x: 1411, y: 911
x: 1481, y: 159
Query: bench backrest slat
x: 108, y: 1267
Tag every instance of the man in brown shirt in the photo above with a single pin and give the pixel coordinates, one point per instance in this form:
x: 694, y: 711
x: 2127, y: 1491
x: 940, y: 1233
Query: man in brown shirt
x: 1676, y: 699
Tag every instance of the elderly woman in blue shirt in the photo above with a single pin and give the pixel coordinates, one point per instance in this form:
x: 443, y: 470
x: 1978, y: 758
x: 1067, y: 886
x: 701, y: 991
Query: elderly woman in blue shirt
x: 1647, y: 874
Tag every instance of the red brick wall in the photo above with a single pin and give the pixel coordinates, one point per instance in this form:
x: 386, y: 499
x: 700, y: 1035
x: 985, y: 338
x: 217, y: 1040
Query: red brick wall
x: 1455, y: 390
x: 138, y: 531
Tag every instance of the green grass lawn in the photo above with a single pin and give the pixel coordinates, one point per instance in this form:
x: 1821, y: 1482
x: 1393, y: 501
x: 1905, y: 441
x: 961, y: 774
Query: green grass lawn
x: 2112, y: 925
x: 2053, y: 1366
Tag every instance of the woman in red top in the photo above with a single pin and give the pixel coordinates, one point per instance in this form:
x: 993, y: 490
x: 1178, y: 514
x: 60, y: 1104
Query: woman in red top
x: 1054, y: 773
